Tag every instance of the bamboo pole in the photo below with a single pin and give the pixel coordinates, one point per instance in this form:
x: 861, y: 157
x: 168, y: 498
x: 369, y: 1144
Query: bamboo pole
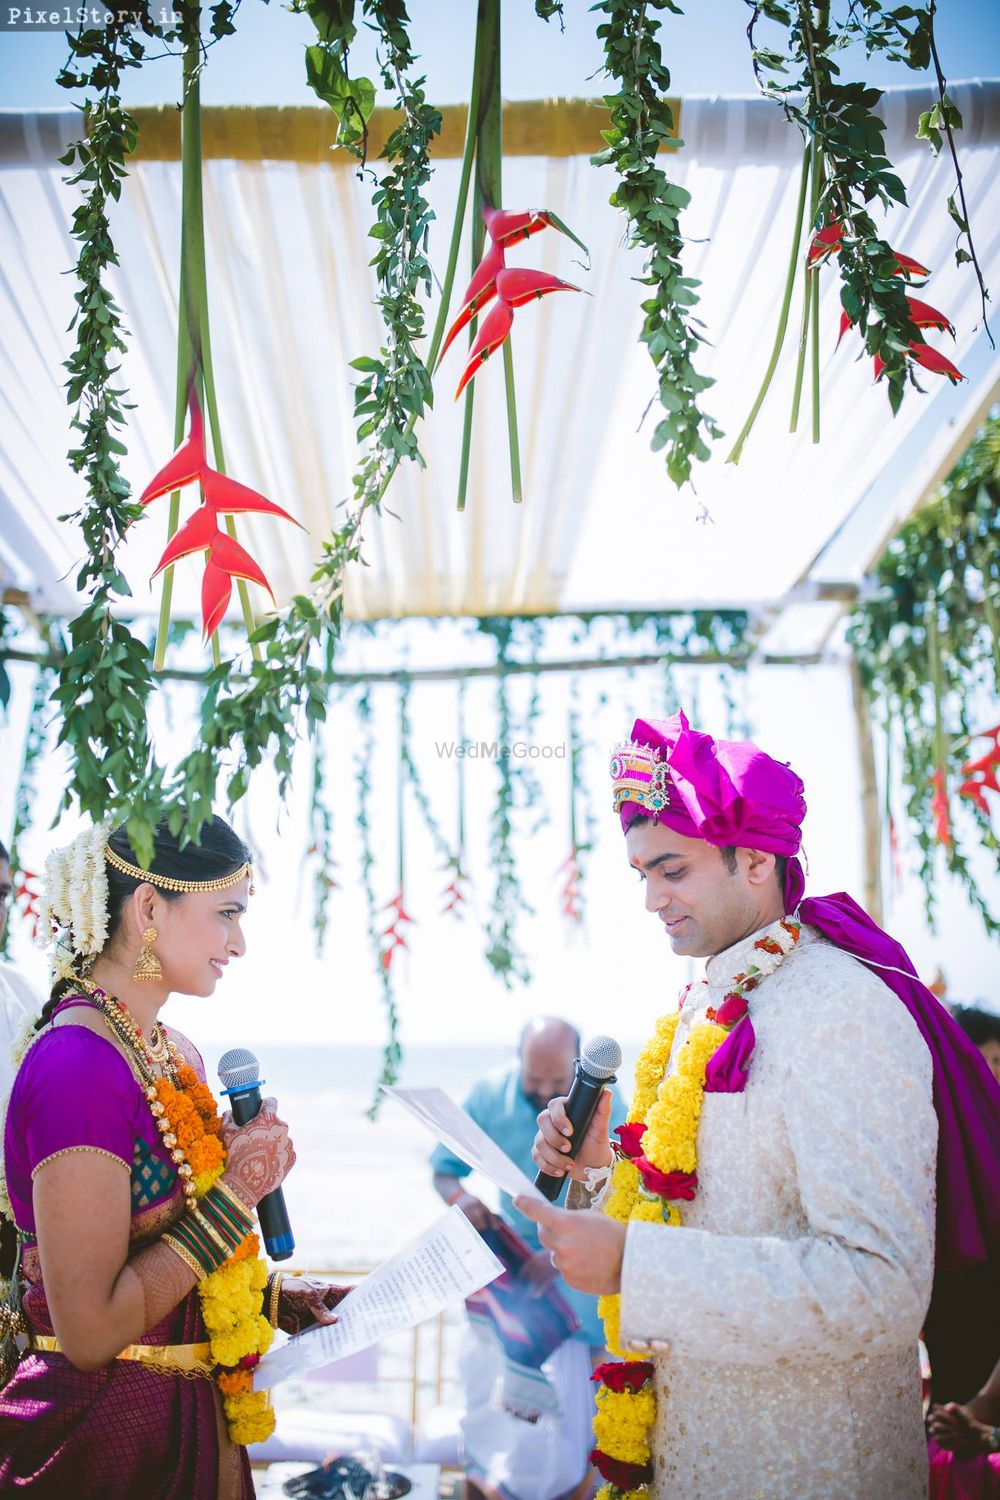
x: 871, y: 823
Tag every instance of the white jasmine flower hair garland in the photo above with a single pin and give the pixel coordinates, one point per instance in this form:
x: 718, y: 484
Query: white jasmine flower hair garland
x: 75, y: 901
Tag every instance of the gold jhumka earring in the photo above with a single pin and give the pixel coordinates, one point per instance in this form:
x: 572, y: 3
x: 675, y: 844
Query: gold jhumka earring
x: 147, y: 965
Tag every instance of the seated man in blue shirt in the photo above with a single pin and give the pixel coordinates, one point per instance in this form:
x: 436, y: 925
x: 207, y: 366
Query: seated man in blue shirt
x: 506, y: 1104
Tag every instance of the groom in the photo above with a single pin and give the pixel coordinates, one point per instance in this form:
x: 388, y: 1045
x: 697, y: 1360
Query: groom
x: 830, y: 1100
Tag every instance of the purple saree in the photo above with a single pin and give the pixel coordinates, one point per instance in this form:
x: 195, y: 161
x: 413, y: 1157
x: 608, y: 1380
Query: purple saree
x: 126, y: 1430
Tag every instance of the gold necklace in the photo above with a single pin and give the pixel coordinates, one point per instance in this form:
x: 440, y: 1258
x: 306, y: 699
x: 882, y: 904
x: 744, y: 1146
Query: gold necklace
x: 162, y: 1055
x: 159, y: 1046
x: 121, y: 1023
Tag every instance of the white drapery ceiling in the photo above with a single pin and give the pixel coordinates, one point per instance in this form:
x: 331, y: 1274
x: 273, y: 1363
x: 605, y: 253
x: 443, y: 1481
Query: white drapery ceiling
x: 291, y: 297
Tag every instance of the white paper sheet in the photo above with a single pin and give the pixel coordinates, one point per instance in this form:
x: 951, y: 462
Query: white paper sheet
x: 445, y: 1264
x: 449, y: 1124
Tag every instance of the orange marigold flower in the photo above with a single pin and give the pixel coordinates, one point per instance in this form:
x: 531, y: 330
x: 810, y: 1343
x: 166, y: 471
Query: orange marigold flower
x: 205, y: 1153
x: 188, y: 1131
x: 236, y: 1383
x: 247, y: 1249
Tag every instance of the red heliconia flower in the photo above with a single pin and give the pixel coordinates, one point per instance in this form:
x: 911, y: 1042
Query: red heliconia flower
x: 231, y: 498
x: 939, y: 808
x: 28, y: 896
x: 201, y: 533
x: 825, y: 242
x: 923, y: 316
x: 504, y: 226
x: 392, y: 938
x: 481, y: 289
x: 216, y: 592
x: 929, y: 359
x: 512, y: 286
x: 454, y: 899
x: 186, y: 464
x: 981, y: 774
x: 518, y: 285
x: 571, y: 887
x: 906, y: 266
x: 195, y: 535
x: 496, y: 326
x: 936, y: 362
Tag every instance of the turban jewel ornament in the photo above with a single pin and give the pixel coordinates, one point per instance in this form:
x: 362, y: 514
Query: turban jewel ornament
x: 723, y: 791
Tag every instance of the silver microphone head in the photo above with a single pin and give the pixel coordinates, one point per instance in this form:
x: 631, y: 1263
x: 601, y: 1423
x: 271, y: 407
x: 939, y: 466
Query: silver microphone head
x: 238, y: 1068
x: 601, y: 1056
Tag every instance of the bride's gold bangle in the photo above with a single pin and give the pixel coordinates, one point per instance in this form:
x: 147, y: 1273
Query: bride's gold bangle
x: 273, y: 1297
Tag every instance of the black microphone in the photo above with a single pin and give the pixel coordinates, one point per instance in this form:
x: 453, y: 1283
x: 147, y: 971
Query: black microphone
x: 594, y: 1069
x: 239, y: 1072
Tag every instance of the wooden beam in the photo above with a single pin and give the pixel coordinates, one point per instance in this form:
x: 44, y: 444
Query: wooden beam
x: 307, y: 133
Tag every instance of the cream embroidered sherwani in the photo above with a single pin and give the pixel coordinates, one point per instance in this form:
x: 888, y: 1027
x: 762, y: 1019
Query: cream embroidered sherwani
x: 784, y: 1316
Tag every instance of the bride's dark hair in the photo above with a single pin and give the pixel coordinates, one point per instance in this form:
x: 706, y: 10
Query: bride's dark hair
x: 219, y: 852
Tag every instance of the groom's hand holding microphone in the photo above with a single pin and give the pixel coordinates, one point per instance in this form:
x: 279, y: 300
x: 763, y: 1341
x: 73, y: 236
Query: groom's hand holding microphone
x: 586, y: 1247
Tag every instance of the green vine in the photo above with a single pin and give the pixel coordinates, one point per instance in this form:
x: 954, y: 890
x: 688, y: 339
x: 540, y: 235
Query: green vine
x: 321, y: 846
x: 364, y: 758
x: 641, y: 124
x: 448, y: 853
x: 351, y: 99
x: 7, y: 633
x: 104, y: 680
x: 503, y: 953
x: 848, y: 170
x: 928, y: 649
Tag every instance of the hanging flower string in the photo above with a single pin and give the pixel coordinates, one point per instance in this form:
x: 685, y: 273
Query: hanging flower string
x: 454, y: 893
x: 511, y: 286
x: 393, y: 937
x: 827, y: 243
x: 570, y: 869
x: 200, y: 533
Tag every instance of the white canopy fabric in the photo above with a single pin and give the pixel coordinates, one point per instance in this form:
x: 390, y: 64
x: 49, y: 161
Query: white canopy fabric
x: 601, y: 526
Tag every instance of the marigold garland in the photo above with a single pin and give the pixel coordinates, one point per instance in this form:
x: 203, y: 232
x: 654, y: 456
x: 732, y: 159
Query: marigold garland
x: 231, y: 1297
x: 660, y: 1139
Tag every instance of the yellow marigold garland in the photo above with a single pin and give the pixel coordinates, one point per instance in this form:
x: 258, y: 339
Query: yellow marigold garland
x: 231, y: 1296
x: 670, y: 1108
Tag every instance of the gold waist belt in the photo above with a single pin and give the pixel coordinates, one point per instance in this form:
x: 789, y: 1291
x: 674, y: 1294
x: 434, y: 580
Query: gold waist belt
x: 169, y: 1359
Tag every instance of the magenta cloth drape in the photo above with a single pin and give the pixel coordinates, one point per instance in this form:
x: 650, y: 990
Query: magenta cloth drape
x: 963, y: 1324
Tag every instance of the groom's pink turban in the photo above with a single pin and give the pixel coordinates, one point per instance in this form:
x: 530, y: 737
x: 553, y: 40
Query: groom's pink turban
x: 723, y: 791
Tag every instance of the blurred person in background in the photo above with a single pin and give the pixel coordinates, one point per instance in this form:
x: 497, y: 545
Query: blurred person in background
x: 982, y: 1027
x: 964, y: 1445
x: 534, y: 1340
x: 18, y: 1000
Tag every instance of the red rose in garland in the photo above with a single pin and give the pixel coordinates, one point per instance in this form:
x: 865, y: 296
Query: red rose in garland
x: 629, y: 1375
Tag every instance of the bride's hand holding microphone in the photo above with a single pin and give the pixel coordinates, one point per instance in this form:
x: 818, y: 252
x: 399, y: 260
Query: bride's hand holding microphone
x: 259, y: 1156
